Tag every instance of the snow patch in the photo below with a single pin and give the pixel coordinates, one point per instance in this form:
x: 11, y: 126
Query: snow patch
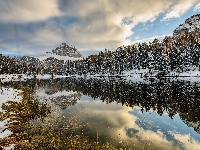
x: 7, y: 94
x: 65, y: 58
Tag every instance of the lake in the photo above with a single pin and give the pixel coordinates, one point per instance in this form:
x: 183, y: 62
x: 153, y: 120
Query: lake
x: 102, y: 113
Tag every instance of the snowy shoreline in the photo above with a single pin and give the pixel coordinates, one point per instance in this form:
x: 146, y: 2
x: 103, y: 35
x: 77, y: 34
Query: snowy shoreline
x: 140, y: 75
x: 7, y: 94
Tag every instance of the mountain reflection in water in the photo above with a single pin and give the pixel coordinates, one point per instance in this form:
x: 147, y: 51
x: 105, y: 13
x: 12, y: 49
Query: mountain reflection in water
x: 158, y: 110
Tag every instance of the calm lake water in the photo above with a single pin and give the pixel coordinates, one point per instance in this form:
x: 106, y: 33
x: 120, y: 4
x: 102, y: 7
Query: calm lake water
x: 154, y: 114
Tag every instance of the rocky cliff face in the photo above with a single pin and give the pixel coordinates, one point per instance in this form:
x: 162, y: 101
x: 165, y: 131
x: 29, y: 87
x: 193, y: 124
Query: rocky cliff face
x: 63, y: 52
x: 66, y: 50
x: 189, y: 25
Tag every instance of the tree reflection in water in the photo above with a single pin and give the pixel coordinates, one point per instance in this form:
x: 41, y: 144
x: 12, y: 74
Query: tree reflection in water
x: 180, y: 97
x: 176, y: 97
x: 36, y: 125
x: 19, y: 114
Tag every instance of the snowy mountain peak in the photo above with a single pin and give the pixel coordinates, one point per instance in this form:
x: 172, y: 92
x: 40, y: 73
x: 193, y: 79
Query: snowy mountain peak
x: 189, y: 25
x: 66, y: 50
x: 63, y: 52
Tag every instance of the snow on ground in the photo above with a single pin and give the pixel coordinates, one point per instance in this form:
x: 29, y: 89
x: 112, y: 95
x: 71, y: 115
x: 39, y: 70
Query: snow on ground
x: 192, y: 76
x: 65, y: 58
x: 7, y: 94
x: 48, y: 76
x: 23, y: 77
x: 11, y: 147
x: 12, y: 77
x: 134, y: 75
x: 15, y: 77
x: 143, y: 75
x: 2, y: 127
x: 194, y: 73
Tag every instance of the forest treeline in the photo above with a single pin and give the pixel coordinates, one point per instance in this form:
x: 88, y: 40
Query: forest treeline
x: 173, y: 53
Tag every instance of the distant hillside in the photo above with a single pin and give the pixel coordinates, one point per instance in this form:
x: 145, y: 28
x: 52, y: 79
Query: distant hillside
x: 63, y: 52
x: 189, y: 25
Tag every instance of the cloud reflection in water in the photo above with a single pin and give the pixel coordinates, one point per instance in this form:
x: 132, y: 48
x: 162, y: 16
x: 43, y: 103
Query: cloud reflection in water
x: 119, y: 124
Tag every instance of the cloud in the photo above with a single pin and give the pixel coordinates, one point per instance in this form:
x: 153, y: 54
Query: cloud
x: 112, y: 121
x: 26, y: 11
x: 187, y: 141
x: 161, y: 37
x: 32, y: 38
x: 88, y: 25
x: 104, y: 23
x: 137, y: 37
x: 179, y: 9
x: 197, y: 7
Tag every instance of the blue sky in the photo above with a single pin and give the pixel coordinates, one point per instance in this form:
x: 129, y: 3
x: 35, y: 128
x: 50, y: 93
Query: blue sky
x: 33, y: 28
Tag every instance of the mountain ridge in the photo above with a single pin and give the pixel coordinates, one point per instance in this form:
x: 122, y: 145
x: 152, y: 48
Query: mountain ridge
x: 190, y: 24
x: 63, y: 52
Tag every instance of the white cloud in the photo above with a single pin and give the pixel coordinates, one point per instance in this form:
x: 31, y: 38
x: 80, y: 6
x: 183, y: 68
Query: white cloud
x: 99, y: 24
x: 105, y: 27
x: 161, y: 37
x: 197, y: 7
x: 187, y: 141
x: 111, y: 121
x: 26, y: 11
x: 137, y: 37
x: 179, y: 9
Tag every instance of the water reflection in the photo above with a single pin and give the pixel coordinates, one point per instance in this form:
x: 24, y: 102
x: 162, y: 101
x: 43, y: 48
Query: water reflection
x: 172, y: 97
x: 18, y: 115
x: 124, y: 125
x: 150, y: 111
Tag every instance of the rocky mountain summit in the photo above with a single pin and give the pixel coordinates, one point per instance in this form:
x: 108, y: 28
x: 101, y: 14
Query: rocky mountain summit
x: 63, y: 52
x: 66, y: 50
x: 190, y: 24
